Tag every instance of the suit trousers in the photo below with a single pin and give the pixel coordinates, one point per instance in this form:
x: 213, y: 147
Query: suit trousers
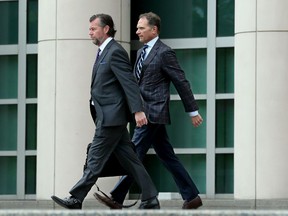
x: 113, y: 140
x: 155, y: 135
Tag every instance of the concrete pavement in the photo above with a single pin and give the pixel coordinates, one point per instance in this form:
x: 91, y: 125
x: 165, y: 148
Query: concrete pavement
x: 211, y: 207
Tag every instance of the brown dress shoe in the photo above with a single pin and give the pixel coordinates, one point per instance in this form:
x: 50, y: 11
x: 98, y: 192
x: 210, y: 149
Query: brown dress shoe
x: 108, y: 202
x: 192, y: 204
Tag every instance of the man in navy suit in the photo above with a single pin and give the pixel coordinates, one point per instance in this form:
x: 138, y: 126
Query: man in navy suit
x: 115, y: 97
x: 159, y: 68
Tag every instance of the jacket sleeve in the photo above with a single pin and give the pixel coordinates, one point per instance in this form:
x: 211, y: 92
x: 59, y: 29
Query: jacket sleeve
x: 122, y: 69
x: 173, y: 70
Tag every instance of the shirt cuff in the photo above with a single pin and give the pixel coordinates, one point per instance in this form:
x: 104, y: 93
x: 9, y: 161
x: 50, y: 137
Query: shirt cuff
x: 194, y: 113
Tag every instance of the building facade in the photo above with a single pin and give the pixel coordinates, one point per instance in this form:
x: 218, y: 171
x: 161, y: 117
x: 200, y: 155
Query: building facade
x: 46, y: 59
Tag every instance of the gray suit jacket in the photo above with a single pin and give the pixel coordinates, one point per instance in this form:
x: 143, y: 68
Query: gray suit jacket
x: 114, y: 89
x: 160, y: 68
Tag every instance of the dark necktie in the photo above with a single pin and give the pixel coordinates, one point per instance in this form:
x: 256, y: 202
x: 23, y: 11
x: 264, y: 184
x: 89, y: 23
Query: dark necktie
x: 96, y: 60
x: 98, y: 54
x: 140, y: 62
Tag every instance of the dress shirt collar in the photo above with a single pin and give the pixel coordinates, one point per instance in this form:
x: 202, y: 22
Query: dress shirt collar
x: 104, y: 44
x: 150, y: 45
x: 152, y: 42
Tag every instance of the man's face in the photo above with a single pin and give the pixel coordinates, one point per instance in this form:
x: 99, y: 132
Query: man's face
x: 97, y: 33
x: 144, y: 31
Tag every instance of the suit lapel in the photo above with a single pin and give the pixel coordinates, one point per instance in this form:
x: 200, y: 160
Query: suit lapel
x: 137, y: 59
x: 101, y: 57
x: 149, y: 58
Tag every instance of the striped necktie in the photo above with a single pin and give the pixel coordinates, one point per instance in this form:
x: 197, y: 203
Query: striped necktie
x: 140, y: 62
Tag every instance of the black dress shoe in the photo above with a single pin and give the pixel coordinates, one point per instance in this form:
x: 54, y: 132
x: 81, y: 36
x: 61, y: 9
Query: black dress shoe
x: 68, y: 202
x: 192, y: 204
x: 152, y: 203
x: 108, y: 201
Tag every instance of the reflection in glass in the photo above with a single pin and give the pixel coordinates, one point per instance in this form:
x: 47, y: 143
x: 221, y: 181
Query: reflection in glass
x: 8, y: 76
x: 193, y: 62
x: 32, y: 21
x: 224, y: 173
x: 225, y: 18
x: 224, y: 123
x: 8, y: 172
x: 8, y: 125
x: 31, y: 126
x: 8, y: 22
x: 30, y: 175
x: 181, y: 132
x: 181, y: 19
x: 225, y: 70
x: 31, y: 76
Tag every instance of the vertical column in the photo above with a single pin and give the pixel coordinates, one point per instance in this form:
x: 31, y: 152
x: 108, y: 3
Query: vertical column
x: 211, y: 92
x: 22, y: 40
x: 245, y: 110
x: 261, y: 49
x: 65, y: 59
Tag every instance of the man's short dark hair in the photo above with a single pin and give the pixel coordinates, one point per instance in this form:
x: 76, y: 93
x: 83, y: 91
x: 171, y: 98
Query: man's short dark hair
x: 105, y: 19
x: 153, y: 19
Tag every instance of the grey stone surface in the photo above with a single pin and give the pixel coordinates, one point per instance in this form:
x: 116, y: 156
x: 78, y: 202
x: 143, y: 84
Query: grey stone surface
x: 135, y: 212
x: 213, y: 207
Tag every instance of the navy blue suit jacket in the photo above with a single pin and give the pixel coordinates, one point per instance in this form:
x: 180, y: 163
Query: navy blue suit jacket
x: 160, y: 68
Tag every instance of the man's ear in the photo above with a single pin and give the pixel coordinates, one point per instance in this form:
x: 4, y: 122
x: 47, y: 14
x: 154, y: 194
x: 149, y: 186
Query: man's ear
x: 106, y: 29
x: 155, y: 30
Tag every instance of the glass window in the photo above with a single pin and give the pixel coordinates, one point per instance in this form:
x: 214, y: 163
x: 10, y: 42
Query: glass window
x: 196, y: 167
x: 225, y: 18
x: 225, y: 70
x: 224, y: 173
x: 194, y: 164
x: 8, y: 125
x: 193, y: 62
x: 224, y: 123
x: 184, y: 19
x: 181, y: 132
x: 9, y: 22
x: 8, y: 172
x: 30, y: 175
x: 8, y: 76
x: 32, y: 21
x: 31, y: 126
x: 31, y: 84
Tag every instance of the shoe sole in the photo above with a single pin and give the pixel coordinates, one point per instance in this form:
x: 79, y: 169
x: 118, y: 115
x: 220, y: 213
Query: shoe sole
x: 103, y: 201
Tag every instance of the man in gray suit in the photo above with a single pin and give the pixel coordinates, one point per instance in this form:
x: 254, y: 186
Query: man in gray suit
x: 115, y: 96
x: 156, y: 67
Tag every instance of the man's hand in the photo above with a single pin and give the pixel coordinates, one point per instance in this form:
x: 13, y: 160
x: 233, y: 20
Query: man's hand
x: 197, y: 120
x: 140, y: 119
